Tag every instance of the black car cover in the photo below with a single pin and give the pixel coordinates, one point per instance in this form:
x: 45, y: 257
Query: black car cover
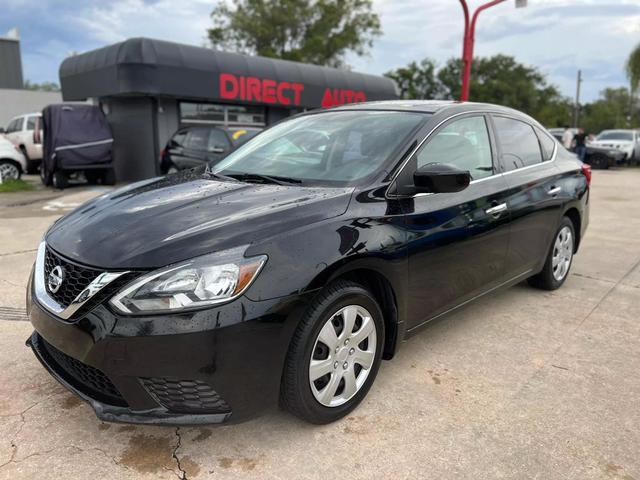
x: 75, y: 136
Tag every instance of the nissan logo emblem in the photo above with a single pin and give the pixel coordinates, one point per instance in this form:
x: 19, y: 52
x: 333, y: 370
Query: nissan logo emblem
x: 55, y: 279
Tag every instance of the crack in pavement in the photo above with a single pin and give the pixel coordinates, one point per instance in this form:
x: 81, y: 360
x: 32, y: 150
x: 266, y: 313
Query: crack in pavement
x: 8, y: 254
x: 182, y: 473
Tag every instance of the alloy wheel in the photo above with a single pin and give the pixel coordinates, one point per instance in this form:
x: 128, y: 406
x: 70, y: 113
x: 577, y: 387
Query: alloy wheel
x: 562, y: 253
x: 9, y: 171
x: 342, y: 356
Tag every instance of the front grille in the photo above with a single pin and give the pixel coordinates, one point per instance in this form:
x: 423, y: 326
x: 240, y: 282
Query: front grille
x: 185, y: 396
x: 76, y: 278
x: 85, y: 378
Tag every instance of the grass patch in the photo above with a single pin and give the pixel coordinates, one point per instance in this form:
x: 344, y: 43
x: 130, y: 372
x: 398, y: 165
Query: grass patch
x: 15, y: 186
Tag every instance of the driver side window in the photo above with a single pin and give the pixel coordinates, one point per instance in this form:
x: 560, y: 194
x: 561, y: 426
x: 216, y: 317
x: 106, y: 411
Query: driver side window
x: 463, y: 144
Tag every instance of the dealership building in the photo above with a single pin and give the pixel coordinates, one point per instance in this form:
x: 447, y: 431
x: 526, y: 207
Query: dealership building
x: 150, y: 88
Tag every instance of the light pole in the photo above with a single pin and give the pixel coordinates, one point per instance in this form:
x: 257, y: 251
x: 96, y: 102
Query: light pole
x: 469, y: 38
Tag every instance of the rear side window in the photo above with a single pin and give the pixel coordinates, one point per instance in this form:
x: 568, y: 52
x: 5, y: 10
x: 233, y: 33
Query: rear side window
x: 518, y: 142
x: 31, y: 123
x: 19, y: 124
x: 218, y: 139
x: 197, y: 139
x: 547, y: 143
x: 178, y: 139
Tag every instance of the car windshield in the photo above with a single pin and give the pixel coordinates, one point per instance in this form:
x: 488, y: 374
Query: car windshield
x: 326, y: 148
x: 626, y: 136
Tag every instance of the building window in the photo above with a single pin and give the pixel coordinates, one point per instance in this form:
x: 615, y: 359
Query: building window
x: 221, y: 114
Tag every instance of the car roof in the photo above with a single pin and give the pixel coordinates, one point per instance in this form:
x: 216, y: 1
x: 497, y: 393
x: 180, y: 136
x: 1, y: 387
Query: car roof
x: 431, y: 106
x: 426, y: 106
x: 618, y: 130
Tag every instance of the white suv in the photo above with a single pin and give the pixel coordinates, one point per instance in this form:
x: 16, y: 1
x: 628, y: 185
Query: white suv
x: 20, y: 133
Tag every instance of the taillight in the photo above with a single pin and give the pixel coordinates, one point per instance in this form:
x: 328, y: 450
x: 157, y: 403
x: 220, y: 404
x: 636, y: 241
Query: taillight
x: 162, y: 152
x: 586, y: 171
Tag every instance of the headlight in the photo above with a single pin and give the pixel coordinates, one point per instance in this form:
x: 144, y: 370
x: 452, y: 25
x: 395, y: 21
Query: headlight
x: 202, y: 281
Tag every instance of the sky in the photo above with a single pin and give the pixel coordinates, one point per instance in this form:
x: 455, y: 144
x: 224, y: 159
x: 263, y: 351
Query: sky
x: 556, y: 36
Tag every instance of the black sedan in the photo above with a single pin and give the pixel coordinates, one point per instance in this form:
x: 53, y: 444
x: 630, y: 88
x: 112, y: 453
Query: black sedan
x: 287, y: 271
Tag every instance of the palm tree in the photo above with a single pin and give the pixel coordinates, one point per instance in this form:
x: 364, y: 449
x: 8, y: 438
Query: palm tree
x: 633, y: 74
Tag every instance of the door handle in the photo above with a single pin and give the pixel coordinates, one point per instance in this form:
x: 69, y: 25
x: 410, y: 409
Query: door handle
x: 497, y: 210
x: 554, y: 191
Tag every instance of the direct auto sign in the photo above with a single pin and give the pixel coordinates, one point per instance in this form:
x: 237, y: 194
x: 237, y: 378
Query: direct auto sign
x: 266, y: 90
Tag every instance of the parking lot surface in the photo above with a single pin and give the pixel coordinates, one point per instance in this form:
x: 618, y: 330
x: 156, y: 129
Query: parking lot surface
x: 521, y: 384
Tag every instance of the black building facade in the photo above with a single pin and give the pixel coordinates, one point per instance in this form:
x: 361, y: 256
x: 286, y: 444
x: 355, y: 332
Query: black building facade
x: 149, y: 88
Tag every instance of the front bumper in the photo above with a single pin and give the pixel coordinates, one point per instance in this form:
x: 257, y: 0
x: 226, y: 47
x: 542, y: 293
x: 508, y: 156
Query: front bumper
x: 211, y: 366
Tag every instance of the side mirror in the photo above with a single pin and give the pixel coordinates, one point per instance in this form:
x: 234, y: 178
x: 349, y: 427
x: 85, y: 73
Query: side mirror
x: 440, y: 178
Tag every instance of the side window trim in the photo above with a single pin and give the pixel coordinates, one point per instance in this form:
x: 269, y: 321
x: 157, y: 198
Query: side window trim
x: 433, y: 133
x: 541, y: 131
x: 405, y: 169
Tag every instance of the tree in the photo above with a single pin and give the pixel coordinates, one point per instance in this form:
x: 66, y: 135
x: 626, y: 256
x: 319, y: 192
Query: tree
x: 44, y: 86
x: 611, y: 110
x: 632, y: 69
x: 321, y: 32
x: 499, y: 79
x: 418, y: 80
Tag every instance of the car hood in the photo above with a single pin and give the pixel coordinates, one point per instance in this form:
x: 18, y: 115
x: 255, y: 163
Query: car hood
x: 162, y: 221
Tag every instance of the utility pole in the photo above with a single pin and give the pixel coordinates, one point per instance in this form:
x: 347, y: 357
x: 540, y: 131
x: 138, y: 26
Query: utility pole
x: 469, y: 39
x: 576, y: 107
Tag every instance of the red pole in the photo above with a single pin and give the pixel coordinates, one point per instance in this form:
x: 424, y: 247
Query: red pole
x: 467, y: 46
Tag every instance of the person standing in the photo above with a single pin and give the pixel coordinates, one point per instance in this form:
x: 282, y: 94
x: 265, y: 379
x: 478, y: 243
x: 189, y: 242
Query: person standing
x: 581, y: 144
x: 567, y: 138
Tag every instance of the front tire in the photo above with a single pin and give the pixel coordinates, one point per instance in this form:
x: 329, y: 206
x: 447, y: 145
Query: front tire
x: 334, y: 355
x: 559, y: 259
x: 9, y: 170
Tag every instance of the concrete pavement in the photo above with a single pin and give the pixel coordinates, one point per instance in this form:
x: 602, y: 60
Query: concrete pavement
x: 521, y: 384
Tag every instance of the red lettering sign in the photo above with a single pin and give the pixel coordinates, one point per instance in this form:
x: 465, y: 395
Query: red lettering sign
x: 337, y: 96
x: 253, y: 89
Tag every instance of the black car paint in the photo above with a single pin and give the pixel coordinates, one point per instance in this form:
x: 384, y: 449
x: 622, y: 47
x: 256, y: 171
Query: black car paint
x: 433, y: 253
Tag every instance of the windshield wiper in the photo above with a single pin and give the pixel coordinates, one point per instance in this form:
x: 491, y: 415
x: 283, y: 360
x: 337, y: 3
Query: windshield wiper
x: 208, y: 171
x: 278, y: 180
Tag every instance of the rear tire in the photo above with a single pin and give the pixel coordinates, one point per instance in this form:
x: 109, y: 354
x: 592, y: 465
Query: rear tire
x: 92, y: 177
x: 600, y: 162
x: 109, y: 177
x: 60, y: 180
x: 333, y: 393
x: 559, y: 259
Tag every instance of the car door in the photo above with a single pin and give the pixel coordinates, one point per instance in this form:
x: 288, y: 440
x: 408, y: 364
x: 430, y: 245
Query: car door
x: 457, y: 242
x: 535, y: 190
x: 218, y: 145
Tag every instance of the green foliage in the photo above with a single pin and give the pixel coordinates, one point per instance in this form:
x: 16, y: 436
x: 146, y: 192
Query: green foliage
x: 44, y: 86
x: 632, y: 68
x: 9, y: 186
x: 321, y: 32
x: 499, y: 79
x: 611, y: 110
x: 418, y: 80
